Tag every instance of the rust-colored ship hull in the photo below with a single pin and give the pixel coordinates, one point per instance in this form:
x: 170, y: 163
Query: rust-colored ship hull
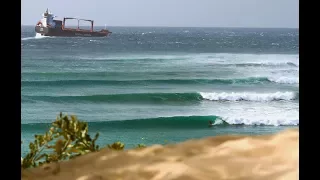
x: 47, y: 31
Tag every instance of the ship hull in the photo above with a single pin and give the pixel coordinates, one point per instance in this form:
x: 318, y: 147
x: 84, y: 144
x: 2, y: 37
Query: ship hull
x: 45, y: 31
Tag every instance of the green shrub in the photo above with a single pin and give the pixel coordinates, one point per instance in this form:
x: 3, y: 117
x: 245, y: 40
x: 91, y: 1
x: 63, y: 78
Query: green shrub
x: 141, y: 146
x: 67, y: 138
x: 72, y: 139
x: 116, y: 146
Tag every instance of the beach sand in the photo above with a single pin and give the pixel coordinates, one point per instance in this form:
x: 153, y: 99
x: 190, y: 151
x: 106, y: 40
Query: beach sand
x: 266, y: 157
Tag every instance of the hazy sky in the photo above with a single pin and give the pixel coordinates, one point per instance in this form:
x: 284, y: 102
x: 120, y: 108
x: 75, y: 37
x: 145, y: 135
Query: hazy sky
x: 176, y: 13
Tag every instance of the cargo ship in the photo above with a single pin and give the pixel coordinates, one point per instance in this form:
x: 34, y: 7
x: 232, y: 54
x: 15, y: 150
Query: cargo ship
x: 48, y: 26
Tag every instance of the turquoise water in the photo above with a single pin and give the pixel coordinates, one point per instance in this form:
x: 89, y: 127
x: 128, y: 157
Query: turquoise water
x: 157, y: 85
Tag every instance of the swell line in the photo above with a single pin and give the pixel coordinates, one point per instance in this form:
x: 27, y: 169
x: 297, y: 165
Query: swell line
x: 169, y: 122
x: 154, y: 98
x: 251, y: 80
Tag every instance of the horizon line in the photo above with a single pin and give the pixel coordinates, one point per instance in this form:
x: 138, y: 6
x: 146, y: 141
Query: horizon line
x: 148, y: 26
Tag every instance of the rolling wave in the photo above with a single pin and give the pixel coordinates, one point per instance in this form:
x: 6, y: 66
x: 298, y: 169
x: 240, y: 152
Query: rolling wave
x: 222, y: 59
x: 285, y: 80
x: 251, y: 80
x: 155, y: 98
x: 263, y: 64
x: 175, y: 122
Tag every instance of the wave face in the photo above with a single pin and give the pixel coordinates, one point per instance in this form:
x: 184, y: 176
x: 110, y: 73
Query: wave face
x: 161, y: 122
x: 176, y: 122
x: 251, y: 80
x: 154, y: 98
x: 162, y: 79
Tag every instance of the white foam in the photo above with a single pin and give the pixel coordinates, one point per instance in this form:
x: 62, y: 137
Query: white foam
x: 218, y: 122
x: 256, y: 121
x: 285, y: 80
x: 248, y: 96
x: 27, y: 38
x: 272, y: 115
x: 37, y: 36
x: 258, y: 113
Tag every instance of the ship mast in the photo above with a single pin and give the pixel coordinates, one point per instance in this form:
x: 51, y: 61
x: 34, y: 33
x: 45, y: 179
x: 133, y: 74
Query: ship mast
x: 46, y: 13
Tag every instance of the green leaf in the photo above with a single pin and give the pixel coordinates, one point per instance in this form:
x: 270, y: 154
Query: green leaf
x: 96, y: 137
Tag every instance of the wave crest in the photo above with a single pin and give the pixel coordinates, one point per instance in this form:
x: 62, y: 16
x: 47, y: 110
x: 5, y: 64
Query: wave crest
x: 285, y: 80
x: 247, y: 96
x: 250, y: 80
x: 176, y: 122
x: 167, y: 98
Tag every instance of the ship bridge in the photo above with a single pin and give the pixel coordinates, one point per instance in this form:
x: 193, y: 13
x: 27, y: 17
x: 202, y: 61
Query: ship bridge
x: 47, y: 19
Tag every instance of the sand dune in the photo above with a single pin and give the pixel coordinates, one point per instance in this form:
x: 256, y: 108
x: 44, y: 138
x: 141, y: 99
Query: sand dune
x: 269, y: 157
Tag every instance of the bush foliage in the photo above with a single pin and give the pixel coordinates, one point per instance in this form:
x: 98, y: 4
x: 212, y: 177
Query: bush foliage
x: 66, y: 138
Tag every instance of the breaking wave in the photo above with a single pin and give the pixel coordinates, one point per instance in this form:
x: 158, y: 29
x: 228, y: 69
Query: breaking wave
x: 285, y: 80
x: 155, y: 98
x: 251, y: 80
x: 176, y: 122
x: 249, y: 96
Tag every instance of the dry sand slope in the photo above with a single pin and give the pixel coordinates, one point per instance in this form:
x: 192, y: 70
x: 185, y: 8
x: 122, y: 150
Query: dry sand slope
x: 269, y: 157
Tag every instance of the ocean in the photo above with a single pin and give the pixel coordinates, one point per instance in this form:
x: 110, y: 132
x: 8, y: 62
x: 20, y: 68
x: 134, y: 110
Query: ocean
x: 155, y: 85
